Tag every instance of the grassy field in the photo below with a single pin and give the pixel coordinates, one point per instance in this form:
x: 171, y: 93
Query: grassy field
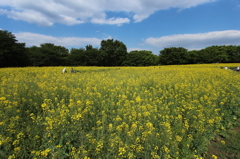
x: 119, y: 112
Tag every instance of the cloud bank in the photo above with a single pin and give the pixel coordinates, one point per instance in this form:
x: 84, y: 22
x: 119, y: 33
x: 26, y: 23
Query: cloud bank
x: 189, y: 41
x: 196, y: 41
x: 36, y: 39
x: 71, y: 12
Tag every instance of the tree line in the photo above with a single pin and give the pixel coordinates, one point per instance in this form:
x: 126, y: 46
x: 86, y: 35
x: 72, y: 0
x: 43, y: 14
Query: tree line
x: 211, y: 54
x: 111, y: 53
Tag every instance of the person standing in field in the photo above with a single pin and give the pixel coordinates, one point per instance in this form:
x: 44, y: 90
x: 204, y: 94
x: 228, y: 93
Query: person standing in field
x: 72, y: 70
x: 64, y: 70
x: 238, y: 68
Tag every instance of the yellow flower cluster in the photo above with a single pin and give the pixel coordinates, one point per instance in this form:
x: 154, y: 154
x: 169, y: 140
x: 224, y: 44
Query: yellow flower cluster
x: 127, y: 112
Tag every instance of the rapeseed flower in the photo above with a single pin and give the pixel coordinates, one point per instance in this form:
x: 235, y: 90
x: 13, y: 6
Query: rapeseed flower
x: 122, y: 113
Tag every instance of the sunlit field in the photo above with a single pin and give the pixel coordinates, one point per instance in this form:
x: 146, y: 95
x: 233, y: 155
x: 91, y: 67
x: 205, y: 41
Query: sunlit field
x: 157, y: 112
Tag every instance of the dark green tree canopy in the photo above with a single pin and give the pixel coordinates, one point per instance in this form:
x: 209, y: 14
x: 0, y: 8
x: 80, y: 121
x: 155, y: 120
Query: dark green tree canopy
x: 113, y: 52
x: 48, y: 54
x: 77, y: 57
x: 93, y: 56
x: 211, y: 54
x: 215, y: 54
x: 141, y: 58
x: 173, y: 55
x: 12, y: 53
x: 84, y: 57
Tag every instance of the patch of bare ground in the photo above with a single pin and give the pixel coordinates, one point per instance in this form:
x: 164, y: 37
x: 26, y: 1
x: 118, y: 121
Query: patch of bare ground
x: 226, y: 145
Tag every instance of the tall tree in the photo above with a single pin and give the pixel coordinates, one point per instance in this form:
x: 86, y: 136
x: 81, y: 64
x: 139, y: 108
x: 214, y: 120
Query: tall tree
x: 194, y: 57
x: 141, y: 58
x: 36, y: 56
x: 113, y: 52
x: 213, y: 54
x: 77, y: 57
x: 233, y: 53
x: 173, y: 55
x: 48, y: 54
x: 54, y: 55
x: 237, y: 54
x: 12, y: 53
x: 93, y: 56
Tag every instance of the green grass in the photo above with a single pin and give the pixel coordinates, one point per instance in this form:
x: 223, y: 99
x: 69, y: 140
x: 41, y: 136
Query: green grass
x: 226, y: 145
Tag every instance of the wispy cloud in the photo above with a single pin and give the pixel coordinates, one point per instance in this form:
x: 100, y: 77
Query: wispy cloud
x: 36, y: 39
x: 117, y: 21
x: 46, y: 13
x: 194, y: 41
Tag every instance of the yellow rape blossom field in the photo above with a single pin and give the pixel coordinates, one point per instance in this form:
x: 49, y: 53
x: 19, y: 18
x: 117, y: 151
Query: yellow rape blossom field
x: 156, y: 112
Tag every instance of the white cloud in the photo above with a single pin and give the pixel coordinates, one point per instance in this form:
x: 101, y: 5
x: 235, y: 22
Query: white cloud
x: 48, y: 12
x: 118, y: 21
x: 195, y: 41
x: 36, y: 39
x: 31, y: 17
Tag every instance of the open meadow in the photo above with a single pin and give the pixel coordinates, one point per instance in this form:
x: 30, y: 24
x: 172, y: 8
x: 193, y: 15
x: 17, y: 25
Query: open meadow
x: 156, y: 112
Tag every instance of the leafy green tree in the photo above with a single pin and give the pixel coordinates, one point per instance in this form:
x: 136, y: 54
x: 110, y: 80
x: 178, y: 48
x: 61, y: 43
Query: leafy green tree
x: 54, y: 55
x: 214, y: 54
x: 93, y: 56
x: 141, y: 58
x: 36, y: 56
x: 233, y: 53
x: 113, y: 52
x: 237, y: 54
x: 84, y: 57
x: 12, y: 53
x: 77, y: 57
x: 48, y: 54
x: 173, y: 55
x: 193, y: 57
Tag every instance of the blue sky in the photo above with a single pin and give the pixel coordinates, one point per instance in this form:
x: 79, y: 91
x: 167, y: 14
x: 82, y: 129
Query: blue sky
x: 140, y: 24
